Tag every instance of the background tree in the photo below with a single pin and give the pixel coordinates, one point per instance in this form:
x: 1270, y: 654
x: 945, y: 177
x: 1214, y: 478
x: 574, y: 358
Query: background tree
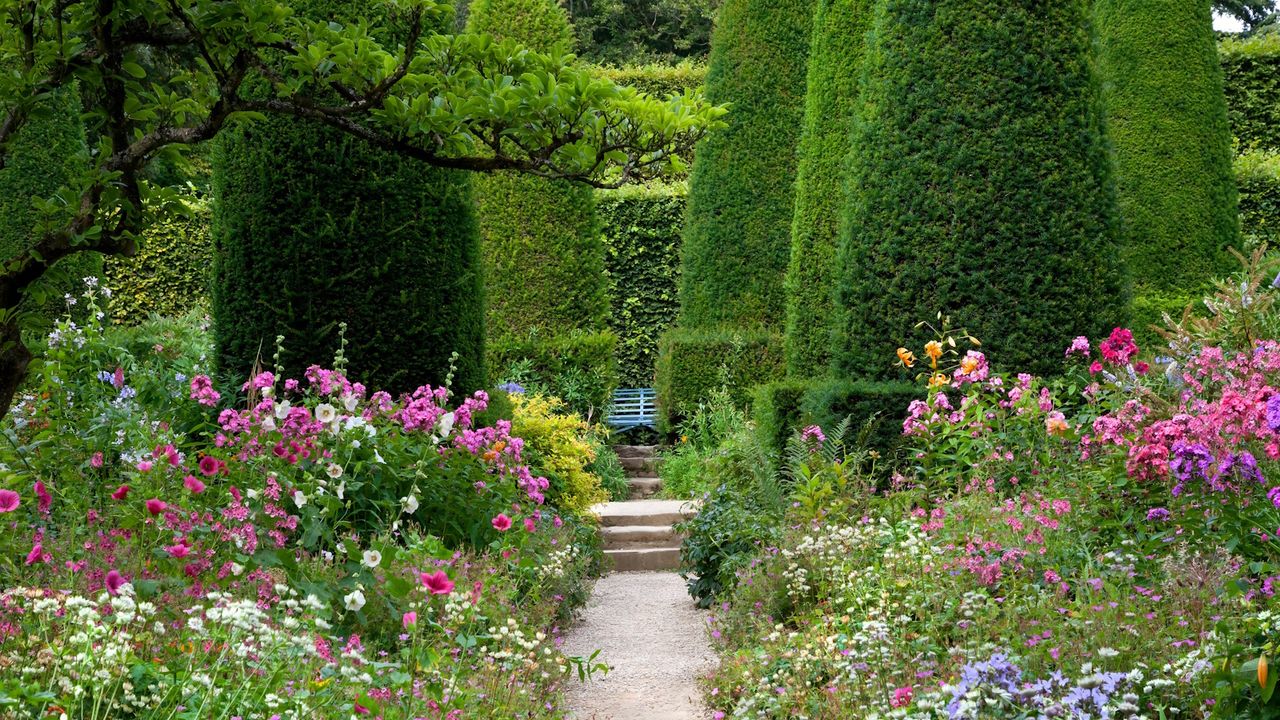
x: 980, y: 186
x: 1251, y: 12
x: 461, y: 102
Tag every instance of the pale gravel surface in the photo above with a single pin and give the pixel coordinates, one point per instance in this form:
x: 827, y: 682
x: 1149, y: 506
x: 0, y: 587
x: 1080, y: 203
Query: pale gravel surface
x: 653, y: 638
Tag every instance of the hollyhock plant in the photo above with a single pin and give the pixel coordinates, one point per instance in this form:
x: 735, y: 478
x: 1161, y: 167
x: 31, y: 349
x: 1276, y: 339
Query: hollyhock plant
x: 9, y: 501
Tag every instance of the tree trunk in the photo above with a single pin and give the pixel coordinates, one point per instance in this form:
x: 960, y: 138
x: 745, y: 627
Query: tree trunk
x: 14, y: 360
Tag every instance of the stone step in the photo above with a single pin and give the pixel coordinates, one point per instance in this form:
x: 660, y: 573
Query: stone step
x: 640, y: 488
x: 639, y: 466
x: 633, y: 451
x: 644, y: 559
x: 635, y: 537
x: 644, y: 512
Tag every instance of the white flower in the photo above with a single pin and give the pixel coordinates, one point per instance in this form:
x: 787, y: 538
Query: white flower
x: 236, y: 569
x: 282, y: 410
x: 299, y: 499
x: 354, y: 601
x: 409, y: 504
x: 269, y: 424
x: 372, y: 558
x: 334, y: 471
x: 350, y: 402
x: 377, y: 457
x: 341, y: 491
x: 326, y: 413
x: 445, y: 424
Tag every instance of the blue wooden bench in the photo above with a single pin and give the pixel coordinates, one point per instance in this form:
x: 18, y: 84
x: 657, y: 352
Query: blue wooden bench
x: 633, y: 408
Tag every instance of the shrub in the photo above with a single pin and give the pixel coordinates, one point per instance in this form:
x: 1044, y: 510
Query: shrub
x: 659, y: 80
x: 641, y: 229
x: 693, y: 363
x: 607, y: 467
x: 556, y: 447
x: 835, y: 64
x: 782, y: 408
x: 39, y: 160
x: 1258, y: 177
x: 543, y: 259
x: 577, y: 367
x: 1167, y: 122
x: 313, y: 228
x: 737, y: 236
x: 169, y: 275
x: 777, y: 412
x: 980, y: 187
x: 1252, y: 69
x: 629, y: 31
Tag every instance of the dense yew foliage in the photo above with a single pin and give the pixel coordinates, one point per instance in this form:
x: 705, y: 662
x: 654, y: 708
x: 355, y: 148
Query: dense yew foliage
x: 998, y: 209
x: 171, y: 273
x: 737, y: 237
x: 1252, y: 70
x: 42, y: 158
x: 543, y: 260
x: 835, y: 65
x: 1167, y: 122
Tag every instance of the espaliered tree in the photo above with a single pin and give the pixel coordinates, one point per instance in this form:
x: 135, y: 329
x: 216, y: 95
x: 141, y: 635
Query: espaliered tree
x: 460, y: 102
x: 738, y: 228
x: 543, y: 256
x: 835, y: 66
x: 1167, y: 121
x: 314, y: 228
x: 979, y: 187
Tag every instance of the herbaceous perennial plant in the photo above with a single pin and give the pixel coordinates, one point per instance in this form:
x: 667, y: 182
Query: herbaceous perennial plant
x: 306, y: 548
x: 1099, y: 545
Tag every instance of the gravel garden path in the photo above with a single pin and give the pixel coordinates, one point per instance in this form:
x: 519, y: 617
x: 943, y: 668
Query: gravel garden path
x: 654, y: 640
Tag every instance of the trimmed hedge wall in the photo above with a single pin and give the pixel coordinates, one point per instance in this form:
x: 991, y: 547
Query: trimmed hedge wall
x: 1252, y: 68
x: 544, y: 262
x: 1167, y: 122
x: 1258, y: 177
x: 641, y: 228
x: 835, y: 64
x: 313, y: 228
x: 783, y: 407
x: 579, y: 367
x: 693, y: 363
x: 659, y: 81
x: 41, y: 158
x: 738, y: 232
x: 981, y: 187
x: 169, y: 275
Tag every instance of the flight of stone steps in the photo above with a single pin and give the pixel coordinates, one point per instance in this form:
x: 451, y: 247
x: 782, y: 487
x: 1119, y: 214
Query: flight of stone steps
x: 638, y: 533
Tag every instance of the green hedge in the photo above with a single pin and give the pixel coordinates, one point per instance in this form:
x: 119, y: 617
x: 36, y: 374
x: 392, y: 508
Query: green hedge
x: 1258, y: 177
x: 41, y: 158
x: 694, y: 363
x: 641, y: 227
x: 1167, y: 122
x: 170, y: 273
x: 835, y: 63
x: 980, y: 188
x: 783, y: 407
x: 580, y: 368
x: 738, y: 232
x: 660, y: 81
x: 1252, y: 69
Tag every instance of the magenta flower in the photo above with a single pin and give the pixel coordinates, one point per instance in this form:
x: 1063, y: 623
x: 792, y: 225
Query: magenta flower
x: 114, y: 581
x: 209, y: 465
x: 437, y: 583
x: 96, y: 460
x: 155, y: 506
x: 145, y: 466
x: 178, y: 551
x: 409, y: 620
x: 529, y: 525
x: 502, y: 523
x: 44, y: 498
x: 121, y: 493
x: 117, y: 378
x: 193, y: 484
x: 36, y: 555
x: 9, y: 501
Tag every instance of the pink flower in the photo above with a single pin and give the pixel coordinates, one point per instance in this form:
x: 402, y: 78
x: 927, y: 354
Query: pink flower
x: 409, y: 620
x: 1095, y: 368
x: 9, y: 501
x: 529, y: 525
x: 178, y: 551
x: 144, y: 466
x: 44, y: 498
x: 155, y: 506
x: 209, y: 465
x: 502, y: 523
x: 121, y: 493
x: 902, y: 697
x: 36, y: 555
x: 96, y: 460
x: 193, y: 484
x: 114, y: 581
x: 117, y: 378
x: 202, y: 391
x: 437, y: 583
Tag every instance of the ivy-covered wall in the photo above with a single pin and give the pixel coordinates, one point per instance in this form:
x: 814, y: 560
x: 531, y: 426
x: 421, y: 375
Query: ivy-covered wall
x: 169, y: 275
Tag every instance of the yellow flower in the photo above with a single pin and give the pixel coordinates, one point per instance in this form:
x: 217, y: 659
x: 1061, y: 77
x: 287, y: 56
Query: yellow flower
x: 938, y: 380
x: 933, y: 349
x: 906, y: 357
x: 1262, y: 670
x: 684, y: 438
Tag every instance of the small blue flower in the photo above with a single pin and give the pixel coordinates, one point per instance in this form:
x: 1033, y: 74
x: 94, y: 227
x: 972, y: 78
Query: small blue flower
x: 512, y: 388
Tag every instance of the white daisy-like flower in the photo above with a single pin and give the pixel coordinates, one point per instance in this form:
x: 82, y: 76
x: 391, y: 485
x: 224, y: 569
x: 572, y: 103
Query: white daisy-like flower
x: 372, y: 558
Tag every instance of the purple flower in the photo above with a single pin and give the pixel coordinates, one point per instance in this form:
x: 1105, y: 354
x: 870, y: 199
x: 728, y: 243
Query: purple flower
x: 1273, y: 412
x: 512, y: 388
x: 1158, y: 514
x: 1190, y: 459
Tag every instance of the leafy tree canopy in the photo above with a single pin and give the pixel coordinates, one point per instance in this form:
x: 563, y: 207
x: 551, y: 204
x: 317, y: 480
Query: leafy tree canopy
x: 162, y: 74
x: 1251, y: 12
x: 623, y: 32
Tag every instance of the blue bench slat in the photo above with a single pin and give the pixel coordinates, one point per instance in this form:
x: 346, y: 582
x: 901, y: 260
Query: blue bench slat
x: 634, y: 407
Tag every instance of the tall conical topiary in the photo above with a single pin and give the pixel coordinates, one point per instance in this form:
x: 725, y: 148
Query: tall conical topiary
x: 41, y: 159
x: 980, y: 186
x: 543, y: 255
x: 738, y: 229
x: 1167, y: 121
x: 835, y: 66
x: 313, y: 228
